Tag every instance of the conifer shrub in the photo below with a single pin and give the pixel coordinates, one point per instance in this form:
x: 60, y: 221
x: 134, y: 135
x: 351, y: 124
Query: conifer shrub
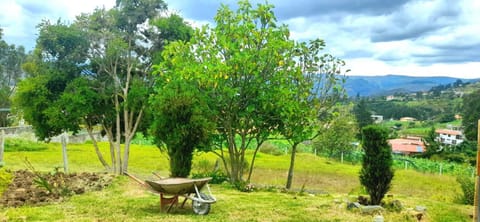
x: 377, y: 172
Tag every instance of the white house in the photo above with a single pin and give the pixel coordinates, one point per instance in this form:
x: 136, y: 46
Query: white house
x: 377, y: 118
x: 449, y: 137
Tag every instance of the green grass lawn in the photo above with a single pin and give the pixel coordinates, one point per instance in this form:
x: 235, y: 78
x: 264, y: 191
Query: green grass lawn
x: 332, y: 182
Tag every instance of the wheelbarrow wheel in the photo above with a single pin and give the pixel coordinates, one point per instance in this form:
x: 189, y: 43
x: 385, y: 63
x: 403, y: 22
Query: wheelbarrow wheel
x: 201, y: 208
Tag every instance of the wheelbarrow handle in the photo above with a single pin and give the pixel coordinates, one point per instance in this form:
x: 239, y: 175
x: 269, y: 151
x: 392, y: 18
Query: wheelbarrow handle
x: 136, y: 179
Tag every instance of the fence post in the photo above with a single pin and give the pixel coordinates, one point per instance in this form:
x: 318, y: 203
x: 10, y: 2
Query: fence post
x: 2, y: 147
x: 64, y: 138
x: 476, y: 210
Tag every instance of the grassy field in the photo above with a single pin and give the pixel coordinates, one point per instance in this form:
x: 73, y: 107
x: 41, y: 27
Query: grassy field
x: 330, y: 185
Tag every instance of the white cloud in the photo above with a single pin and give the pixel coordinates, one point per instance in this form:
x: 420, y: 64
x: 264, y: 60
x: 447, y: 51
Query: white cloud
x: 12, y: 19
x: 412, y: 37
x: 19, y: 18
x: 371, y: 67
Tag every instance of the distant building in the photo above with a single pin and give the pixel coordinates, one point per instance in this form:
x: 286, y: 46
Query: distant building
x: 377, y: 118
x: 390, y: 98
x: 407, y: 145
x: 407, y: 119
x: 449, y: 137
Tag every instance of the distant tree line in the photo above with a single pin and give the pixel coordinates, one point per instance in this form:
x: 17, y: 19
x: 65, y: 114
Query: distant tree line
x: 436, y: 91
x: 397, y: 110
x: 11, y: 59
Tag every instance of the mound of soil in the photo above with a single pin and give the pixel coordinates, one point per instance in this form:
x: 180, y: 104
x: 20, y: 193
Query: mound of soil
x: 35, y: 188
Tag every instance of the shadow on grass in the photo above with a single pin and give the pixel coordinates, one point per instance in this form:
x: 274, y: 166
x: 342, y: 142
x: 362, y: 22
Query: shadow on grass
x: 155, y: 209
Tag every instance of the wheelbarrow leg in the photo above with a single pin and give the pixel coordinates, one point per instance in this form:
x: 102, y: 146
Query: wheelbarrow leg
x: 185, y: 200
x: 170, y: 201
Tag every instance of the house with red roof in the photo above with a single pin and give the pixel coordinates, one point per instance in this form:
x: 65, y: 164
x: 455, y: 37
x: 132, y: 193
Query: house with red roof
x: 407, y: 145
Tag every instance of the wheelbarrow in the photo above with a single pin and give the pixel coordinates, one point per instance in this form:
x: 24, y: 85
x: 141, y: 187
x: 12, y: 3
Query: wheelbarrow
x: 188, y: 188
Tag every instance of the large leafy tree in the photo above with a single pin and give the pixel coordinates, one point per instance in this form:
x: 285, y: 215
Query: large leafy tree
x: 55, y: 62
x: 100, y: 74
x: 311, y: 97
x: 243, y: 65
x: 59, y: 94
x: 124, y: 42
x: 337, y: 134
x: 11, y: 59
x: 471, y: 114
x: 252, y: 72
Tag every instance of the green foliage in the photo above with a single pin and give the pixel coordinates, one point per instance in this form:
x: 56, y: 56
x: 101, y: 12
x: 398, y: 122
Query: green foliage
x: 446, y: 117
x: 23, y: 145
x: 397, y: 110
x: 217, y: 176
x: 204, y: 168
x: 242, y: 64
x: 124, y: 42
x: 58, y: 186
x: 97, y: 71
x: 431, y: 144
x: 11, y: 59
x: 259, y: 80
x: 471, y: 115
x: 271, y: 148
x: 337, y: 135
x: 434, y: 165
x: 5, y: 179
x: 362, y: 113
x: 467, y: 183
x: 171, y: 28
x: 40, y: 180
x: 377, y: 173
x: 54, y: 64
x: 182, y: 122
x: 140, y: 139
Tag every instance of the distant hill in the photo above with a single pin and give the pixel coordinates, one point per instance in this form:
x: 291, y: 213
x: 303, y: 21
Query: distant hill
x: 389, y: 84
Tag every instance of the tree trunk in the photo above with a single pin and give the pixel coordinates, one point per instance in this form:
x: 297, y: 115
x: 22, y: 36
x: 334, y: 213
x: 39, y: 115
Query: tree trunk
x: 118, y: 135
x: 131, y: 127
x: 233, y: 164
x: 126, y: 153
x: 221, y: 155
x: 97, y: 150
x: 112, y: 156
x: 118, y: 157
x: 292, y: 165
x: 2, y: 147
x: 250, y: 171
x: 111, y: 143
x: 64, y: 138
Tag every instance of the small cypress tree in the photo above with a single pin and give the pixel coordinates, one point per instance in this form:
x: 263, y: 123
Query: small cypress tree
x: 181, y: 123
x: 377, y: 173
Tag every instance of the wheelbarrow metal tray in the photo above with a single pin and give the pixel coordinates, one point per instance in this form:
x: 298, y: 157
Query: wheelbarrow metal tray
x: 177, y: 186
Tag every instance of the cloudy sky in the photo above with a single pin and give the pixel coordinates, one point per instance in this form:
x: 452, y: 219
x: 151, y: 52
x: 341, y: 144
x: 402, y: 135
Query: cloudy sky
x: 374, y: 37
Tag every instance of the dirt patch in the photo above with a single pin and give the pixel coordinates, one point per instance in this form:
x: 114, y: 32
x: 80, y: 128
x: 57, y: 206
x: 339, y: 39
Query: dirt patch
x: 35, y: 188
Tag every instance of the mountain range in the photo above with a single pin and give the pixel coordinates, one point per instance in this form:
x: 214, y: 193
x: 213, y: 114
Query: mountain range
x: 389, y: 84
